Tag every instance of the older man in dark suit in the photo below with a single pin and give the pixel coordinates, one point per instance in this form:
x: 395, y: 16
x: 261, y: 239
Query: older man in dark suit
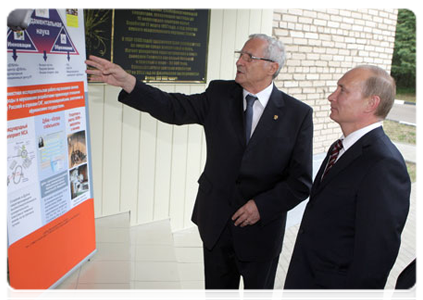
x: 259, y: 158
x: 350, y: 233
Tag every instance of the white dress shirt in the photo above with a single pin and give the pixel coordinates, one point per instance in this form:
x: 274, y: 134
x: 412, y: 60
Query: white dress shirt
x: 352, y: 138
x: 260, y: 105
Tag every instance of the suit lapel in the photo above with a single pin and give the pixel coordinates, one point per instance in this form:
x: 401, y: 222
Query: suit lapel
x: 272, y: 113
x: 345, y: 160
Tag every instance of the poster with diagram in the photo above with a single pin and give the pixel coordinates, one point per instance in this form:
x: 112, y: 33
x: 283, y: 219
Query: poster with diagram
x: 49, y: 184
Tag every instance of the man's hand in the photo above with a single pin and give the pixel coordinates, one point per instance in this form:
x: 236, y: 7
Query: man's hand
x: 247, y: 214
x: 110, y: 73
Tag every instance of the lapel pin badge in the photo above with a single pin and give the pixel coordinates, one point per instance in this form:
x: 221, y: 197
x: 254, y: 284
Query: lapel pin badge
x: 275, y: 117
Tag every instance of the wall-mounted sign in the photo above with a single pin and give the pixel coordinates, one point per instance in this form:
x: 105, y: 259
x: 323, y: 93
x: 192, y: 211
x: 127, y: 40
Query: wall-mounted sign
x: 163, y: 45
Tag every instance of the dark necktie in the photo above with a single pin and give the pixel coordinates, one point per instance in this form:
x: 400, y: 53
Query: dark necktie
x: 249, y: 116
x: 336, y: 147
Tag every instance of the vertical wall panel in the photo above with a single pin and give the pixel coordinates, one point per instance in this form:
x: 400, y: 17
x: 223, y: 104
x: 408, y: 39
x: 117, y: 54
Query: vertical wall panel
x: 147, y: 172
x: 130, y: 161
x: 215, y: 42
x: 267, y: 21
x: 256, y: 21
x: 96, y: 107
x: 112, y: 127
x: 243, y: 28
x: 150, y: 168
x: 163, y: 165
x: 227, y: 69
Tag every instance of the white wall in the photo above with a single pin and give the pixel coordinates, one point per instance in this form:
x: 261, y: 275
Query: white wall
x: 150, y: 168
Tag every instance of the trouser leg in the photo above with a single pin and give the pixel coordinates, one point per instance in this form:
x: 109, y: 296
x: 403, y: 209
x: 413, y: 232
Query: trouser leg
x: 259, y: 275
x: 220, y: 267
x: 223, y: 269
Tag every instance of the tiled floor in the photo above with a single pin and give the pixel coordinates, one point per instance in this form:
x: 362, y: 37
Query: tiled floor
x: 150, y: 256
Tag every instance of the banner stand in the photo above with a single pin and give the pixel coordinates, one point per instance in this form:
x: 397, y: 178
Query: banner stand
x: 50, y: 202
x: 85, y: 260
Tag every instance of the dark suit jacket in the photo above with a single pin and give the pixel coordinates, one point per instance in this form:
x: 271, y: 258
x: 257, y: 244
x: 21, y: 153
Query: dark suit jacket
x: 274, y: 169
x: 351, y: 229
x: 408, y: 282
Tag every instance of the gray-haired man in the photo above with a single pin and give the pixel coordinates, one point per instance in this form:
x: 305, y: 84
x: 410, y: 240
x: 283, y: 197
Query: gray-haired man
x: 259, y: 158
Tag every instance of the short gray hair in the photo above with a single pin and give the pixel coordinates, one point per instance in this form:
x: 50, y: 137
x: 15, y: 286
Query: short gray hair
x: 381, y: 84
x: 275, y: 50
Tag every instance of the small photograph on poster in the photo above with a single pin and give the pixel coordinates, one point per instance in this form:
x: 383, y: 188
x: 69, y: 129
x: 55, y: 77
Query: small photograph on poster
x: 51, y: 152
x: 72, y: 11
x: 42, y: 13
x: 49, y: 139
x: 77, y: 148
x: 19, y: 35
x: 79, y: 181
x: 40, y: 142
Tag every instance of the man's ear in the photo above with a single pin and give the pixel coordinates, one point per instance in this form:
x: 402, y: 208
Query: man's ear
x: 274, y: 66
x: 373, y: 103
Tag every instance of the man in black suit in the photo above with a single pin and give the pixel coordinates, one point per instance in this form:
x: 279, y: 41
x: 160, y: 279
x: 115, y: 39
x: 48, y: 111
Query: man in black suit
x: 350, y: 233
x: 408, y: 282
x: 258, y: 165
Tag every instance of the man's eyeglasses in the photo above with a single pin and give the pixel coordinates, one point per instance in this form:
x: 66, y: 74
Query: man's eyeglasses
x: 249, y: 57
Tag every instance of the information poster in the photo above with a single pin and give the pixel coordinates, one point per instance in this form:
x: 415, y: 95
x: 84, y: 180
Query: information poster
x: 50, y: 211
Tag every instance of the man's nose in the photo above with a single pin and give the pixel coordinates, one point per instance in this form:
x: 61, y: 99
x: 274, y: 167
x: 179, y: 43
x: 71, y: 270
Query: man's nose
x: 332, y: 96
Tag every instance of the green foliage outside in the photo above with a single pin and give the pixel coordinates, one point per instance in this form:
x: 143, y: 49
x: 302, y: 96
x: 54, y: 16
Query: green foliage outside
x: 404, y: 57
x: 406, y: 94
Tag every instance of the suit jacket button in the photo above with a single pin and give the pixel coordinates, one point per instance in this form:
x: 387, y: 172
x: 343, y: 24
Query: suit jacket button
x: 237, y: 182
x: 301, y: 231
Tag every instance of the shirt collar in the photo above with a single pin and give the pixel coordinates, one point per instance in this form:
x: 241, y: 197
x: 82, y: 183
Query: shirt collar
x: 263, y: 96
x: 353, y: 137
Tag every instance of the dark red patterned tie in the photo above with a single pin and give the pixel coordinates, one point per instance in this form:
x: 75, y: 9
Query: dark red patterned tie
x: 333, y: 156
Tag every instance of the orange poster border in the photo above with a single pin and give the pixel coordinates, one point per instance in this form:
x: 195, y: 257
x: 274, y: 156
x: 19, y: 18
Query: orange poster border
x: 44, y: 256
